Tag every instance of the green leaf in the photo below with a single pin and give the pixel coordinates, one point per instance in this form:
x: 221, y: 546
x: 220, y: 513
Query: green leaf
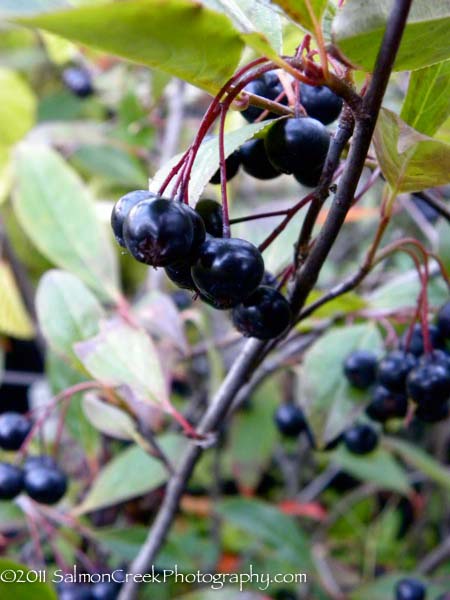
x: 427, y: 102
x: 179, y: 37
x: 113, y: 164
x: 347, y: 303
x: 303, y: 14
x: 268, y: 525
x: 131, y: 473
x: 330, y: 402
x: 17, y: 107
x: 20, y: 590
x: 122, y: 355
x: 108, y: 419
x: 383, y: 588
x: 207, y: 160
x: 378, y: 467
x: 252, y: 16
x: 403, y: 290
x: 359, y: 27
x: 14, y: 319
x: 410, y: 161
x: 58, y: 214
x: 420, y: 460
x: 67, y: 312
x: 250, y: 454
x: 124, y: 542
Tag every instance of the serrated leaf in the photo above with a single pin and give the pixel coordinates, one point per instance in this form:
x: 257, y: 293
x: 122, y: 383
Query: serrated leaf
x: 207, y: 160
x: 250, y: 454
x: 410, y: 161
x: 252, y: 16
x: 359, y: 26
x: 330, y: 402
x: 269, y: 526
x: 378, y: 467
x: 58, y: 215
x: 33, y: 588
x: 14, y: 319
x: 304, y: 13
x: 179, y: 37
x: 108, y: 419
x: 122, y: 355
x: 68, y: 312
x: 427, y: 102
x: 419, y: 459
x: 129, y: 474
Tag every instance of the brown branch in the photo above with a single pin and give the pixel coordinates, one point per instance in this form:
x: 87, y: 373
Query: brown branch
x: 243, y: 366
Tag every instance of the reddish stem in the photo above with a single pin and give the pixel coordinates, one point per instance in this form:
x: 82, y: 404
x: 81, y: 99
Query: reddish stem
x: 223, y: 174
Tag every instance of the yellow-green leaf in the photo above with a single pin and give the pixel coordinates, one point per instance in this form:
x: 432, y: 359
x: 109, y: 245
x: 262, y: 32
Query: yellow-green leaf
x: 14, y: 319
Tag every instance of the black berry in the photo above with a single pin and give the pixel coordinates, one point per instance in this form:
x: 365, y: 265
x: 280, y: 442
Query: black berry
x: 105, y: 590
x: 432, y: 414
x: 443, y: 321
x: 290, y: 420
x: 387, y: 404
x: 394, y: 369
x: 232, y: 164
x: 410, y: 589
x: 298, y: 146
x: 227, y: 271
x: 320, y: 102
x: 269, y: 279
x: 212, y: 214
x: 268, y: 86
x: 416, y: 346
x: 159, y: 232
x: 121, y: 209
x: 360, y: 368
x: 255, y: 162
x: 78, y: 80
x: 11, y: 481
x: 429, y: 384
x: 73, y: 591
x: 265, y: 314
x: 43, y: 460
x: 14, y: 428
x: 180, y: 273
x: 46, y: 485
x: 361, y: 439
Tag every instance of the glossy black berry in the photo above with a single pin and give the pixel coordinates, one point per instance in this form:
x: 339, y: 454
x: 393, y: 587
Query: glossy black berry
x: 255, y: 162
x: 227, y: 271
x: 121, y: 209
x: 298, y: 146
x: 268, y: 86
x: 269, y: 279
x: 265, y: 314
x: 11, y: 481
x: 416, y: 345
x: 437, y: 357
x: 432, y: 414
x: 14, y: 428
x: 443, y: 321
x: 290, y: 420
x: 410, y: 589
x: 334, y: 443
x: 105, y: 590
x: 180, y: 273
x: 394, y: 368
x: 46, y: 485
x: 212, y: 214
x: 360, y: 368
x: 320, y: 102
x: 232, y: 164
x: 361, y: 439
x: 78, y: 80
x: 42, y: 460
x: 159, y: 232
x: 429, y: 384
x: 387, y: 404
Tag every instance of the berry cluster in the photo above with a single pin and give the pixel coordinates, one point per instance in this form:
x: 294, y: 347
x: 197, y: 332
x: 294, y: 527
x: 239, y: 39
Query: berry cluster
x: 227, y: 273
x: 408, y: 372
x: 40, y: 477
x: 296, y: 146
